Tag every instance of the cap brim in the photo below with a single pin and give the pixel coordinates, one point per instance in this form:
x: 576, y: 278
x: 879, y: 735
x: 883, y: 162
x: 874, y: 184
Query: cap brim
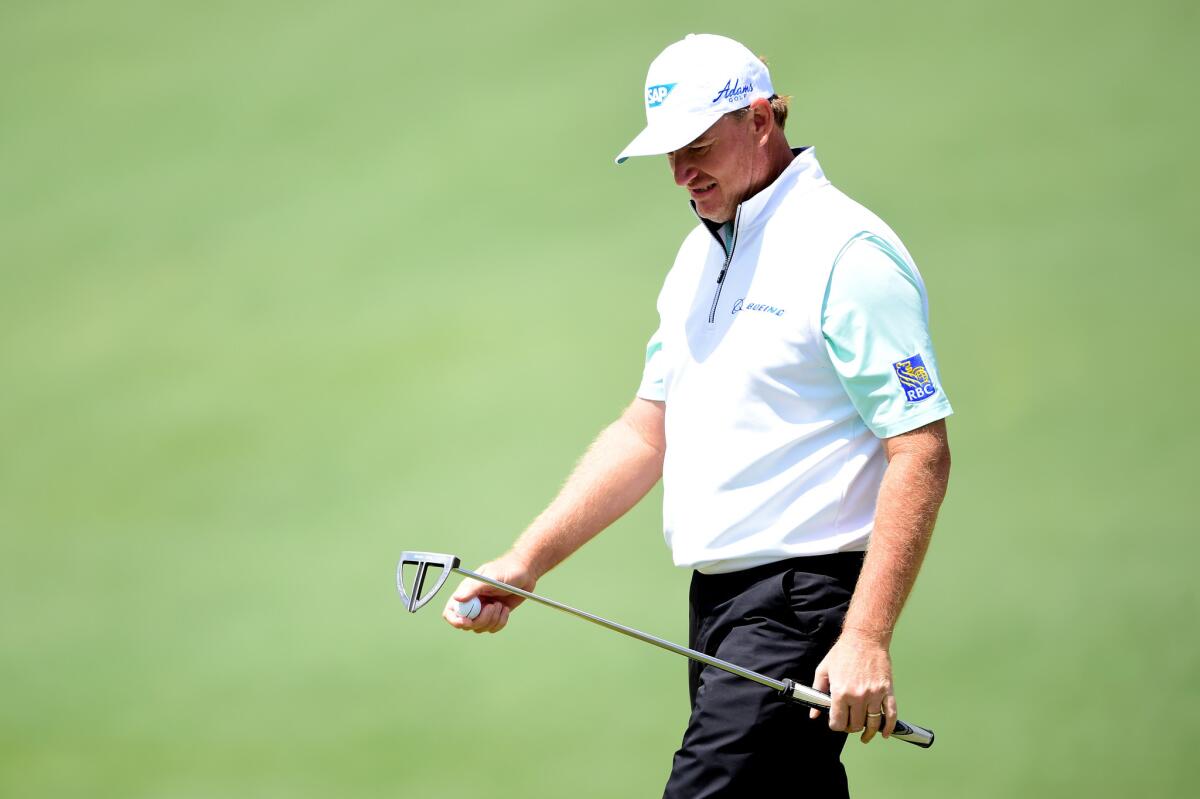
x: 667, y: 138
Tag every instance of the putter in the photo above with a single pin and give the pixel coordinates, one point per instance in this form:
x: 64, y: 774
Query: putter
x: 417, y: 598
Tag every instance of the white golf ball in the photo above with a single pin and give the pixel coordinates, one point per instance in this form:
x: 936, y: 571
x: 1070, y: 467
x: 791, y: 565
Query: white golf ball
x: 470, y: 609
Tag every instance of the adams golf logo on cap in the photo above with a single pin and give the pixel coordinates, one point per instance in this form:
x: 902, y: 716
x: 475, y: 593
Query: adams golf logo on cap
x: 655, y: 95
x: 734, y: 91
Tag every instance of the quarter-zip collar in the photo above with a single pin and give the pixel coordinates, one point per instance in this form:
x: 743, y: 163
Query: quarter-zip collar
x: 801, y: 175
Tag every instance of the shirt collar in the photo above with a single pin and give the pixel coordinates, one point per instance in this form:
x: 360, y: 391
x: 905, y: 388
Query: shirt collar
x: 801, y: 175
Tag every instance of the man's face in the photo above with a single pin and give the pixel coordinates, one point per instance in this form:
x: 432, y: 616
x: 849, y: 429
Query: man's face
x: 720, y: 168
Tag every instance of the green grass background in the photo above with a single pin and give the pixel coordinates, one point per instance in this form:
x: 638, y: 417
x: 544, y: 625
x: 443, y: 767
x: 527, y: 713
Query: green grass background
x: 286, y: 288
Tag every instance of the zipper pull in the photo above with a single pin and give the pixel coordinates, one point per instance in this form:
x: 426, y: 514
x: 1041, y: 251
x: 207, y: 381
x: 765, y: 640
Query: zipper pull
x: 721, y: 277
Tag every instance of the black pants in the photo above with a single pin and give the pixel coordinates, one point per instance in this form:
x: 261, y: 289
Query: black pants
x: 743, y: 739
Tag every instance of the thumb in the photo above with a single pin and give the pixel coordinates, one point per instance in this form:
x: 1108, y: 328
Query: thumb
x: 467, y: 589
x: 820, y: 683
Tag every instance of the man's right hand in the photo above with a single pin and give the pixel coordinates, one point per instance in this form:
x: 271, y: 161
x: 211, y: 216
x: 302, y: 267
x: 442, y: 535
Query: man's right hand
x: 497, y: 604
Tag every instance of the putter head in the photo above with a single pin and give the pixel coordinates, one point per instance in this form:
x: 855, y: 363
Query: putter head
x: 414, y: 600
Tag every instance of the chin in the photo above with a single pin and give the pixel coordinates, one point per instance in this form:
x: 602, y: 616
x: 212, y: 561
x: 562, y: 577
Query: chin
x: 718, y: 215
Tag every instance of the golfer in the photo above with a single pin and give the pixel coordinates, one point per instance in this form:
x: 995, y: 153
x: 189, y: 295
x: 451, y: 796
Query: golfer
x: 791, y: 403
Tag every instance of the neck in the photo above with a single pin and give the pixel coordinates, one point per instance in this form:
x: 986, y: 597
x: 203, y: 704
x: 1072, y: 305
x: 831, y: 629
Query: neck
x: 778, y: 156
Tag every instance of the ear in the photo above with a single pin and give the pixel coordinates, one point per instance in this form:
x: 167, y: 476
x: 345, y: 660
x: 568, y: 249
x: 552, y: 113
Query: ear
x: 764, y: 119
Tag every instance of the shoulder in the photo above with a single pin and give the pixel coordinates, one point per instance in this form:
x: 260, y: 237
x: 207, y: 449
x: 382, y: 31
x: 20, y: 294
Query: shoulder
x: 698, y: 237
x: 694, y: 250
x: 846, y: 207
x: 873, y: 272
x: 689, y: 260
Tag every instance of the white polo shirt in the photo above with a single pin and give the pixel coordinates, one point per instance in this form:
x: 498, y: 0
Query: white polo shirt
x: 786, y: 349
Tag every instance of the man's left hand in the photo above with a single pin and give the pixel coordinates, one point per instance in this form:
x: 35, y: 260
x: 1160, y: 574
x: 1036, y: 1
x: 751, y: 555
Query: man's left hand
x: 857, y: 674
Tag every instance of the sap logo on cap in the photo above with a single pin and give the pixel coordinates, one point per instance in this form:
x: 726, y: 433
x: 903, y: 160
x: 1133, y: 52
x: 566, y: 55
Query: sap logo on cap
x: 733, y: 90
x: 656, y: 94
x: 914, y: 377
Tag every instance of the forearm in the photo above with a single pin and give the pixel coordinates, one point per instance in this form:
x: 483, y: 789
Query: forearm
x: 914, y: 485
x: 620, y: 467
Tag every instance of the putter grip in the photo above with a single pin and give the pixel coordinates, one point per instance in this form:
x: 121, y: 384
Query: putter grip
x: 913, y: 734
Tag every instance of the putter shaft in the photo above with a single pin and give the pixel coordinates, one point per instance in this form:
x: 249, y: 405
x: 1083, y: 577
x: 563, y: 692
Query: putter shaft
x: 661, y: 643
x: 800, y: 693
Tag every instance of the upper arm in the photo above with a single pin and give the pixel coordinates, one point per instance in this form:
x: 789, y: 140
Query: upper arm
x: 647, y: 418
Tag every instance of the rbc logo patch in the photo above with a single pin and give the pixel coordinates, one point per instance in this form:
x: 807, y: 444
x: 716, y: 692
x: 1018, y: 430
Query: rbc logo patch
x: 914, y: 377
x: 656, y: 94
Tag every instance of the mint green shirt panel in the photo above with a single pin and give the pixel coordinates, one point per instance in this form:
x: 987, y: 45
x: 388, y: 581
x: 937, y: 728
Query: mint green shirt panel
x: 652, y: 386
x: 875, y: 318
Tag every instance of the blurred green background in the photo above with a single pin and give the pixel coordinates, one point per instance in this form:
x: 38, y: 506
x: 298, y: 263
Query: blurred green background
x: 286, y: 288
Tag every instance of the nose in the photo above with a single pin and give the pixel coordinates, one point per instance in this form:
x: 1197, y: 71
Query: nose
x: 684, y: 170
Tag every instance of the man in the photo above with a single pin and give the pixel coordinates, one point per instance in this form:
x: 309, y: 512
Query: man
x: 790, y: 402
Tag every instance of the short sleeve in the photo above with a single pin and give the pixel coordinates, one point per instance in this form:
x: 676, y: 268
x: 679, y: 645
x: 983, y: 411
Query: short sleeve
x: 876, y: 327
x: 653, y: 386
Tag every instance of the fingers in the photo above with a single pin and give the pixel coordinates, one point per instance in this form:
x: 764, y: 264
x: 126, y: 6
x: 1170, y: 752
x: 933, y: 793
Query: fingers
x: 891, y: 716
x: 467, y: 589
x: 493, y: 615
x: 881, y: 718
x: 489, y: 612
x: 820, y: 683
x: 839, y: 713
x: 495, y: 605
x: 450, y: 614
x: 856, y: 715
x: 492, y: 618
x: 874, y: 716
x: 868, y: 712
x: 859, y: 709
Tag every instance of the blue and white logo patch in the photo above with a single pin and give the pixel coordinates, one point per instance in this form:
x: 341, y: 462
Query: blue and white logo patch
x: 914, y: 379
x: 655, y: 95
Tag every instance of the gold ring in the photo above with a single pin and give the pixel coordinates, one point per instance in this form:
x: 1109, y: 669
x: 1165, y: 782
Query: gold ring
x: 874, y: 715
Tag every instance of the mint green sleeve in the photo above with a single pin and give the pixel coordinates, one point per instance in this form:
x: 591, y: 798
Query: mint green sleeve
x: 653, y: 385
x: 876, y: 325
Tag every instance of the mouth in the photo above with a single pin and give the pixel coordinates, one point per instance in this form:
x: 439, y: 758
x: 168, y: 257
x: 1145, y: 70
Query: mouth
x: 701, y: 191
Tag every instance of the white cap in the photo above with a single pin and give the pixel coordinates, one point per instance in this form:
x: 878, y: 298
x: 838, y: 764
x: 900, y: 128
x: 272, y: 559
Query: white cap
x: 691, y: 85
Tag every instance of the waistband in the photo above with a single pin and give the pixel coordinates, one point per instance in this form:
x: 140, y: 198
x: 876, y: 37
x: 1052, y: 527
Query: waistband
x: 842, y: 566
